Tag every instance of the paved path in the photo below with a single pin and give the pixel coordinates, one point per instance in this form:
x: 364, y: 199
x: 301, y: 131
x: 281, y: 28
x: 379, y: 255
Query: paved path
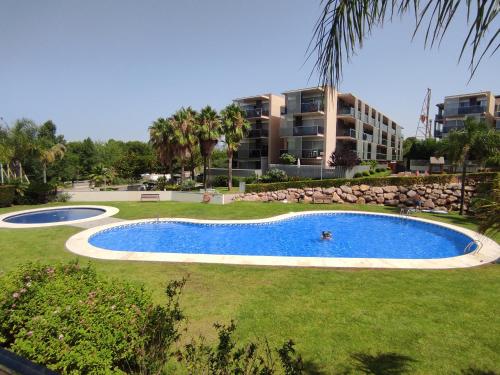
x: 95, y: 223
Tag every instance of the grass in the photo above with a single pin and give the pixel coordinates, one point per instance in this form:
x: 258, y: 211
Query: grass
x: 343, y: 321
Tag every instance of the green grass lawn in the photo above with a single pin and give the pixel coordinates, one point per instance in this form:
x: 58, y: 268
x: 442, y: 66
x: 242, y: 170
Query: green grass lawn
x: 435, y: 321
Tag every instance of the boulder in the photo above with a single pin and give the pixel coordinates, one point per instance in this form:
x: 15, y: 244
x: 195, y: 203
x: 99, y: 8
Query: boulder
x: 364, y: 187
x: 380, y: 200
x: 451, y: 199
x: 402, y: 189
x: 411, y: 193
x: 330, y: 190
x: 391, y: 202
x: 351, y: 198
x: 355, y: 187
x: 429, y: 204
x: 335, y: 197
x: 346, y: 189
x: 390, y: 189
x: 389, y: 196
x: 377, y: 190
x: 361, y: 200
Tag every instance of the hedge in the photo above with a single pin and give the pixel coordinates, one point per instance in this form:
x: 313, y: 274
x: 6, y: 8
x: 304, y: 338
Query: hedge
x: 7, y: 195
x: 371, y: 181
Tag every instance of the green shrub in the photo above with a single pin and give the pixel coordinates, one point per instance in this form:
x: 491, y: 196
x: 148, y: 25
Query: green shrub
x: 62, y: 197
x: 7, y: 195
x: 37, y: 193
x: 71, y: 321
x: 288, y: 159
x: 187, y: 185
x: 378, y: 170
x: 251, y: 179
x: 372, y: 171
x: 366, y: 173
x: 221, y: 181
x: 274, y: 175
x: 372, y: 181
x: 358, y: 175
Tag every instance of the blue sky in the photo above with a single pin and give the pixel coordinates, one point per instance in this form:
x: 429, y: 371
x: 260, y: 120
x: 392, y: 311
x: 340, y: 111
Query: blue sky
x: 107, y: 69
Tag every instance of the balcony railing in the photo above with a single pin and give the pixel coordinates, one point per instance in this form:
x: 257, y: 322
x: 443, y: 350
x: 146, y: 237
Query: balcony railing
x: 368, y: 137
x: 393, y: 144
x: 383, y: 142
x: 245, y: 153
x: 311, y: 107
x: 451, y: 111
x: 346, y: 133
x: 258, y: 133
x: 283, y: 110
x: 256, y: 112
x: 312, y: 153
x: 298, y: 131
x: 346, y: 111
x: 381, y: 156
x: 384, y: 127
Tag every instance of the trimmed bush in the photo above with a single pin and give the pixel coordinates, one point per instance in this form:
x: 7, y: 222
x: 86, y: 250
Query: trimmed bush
x: 71, y: 321
x: 7, y: 195
x: 372, y: 181
x: 366, y: 173
x: 358, y: 175
x: 221, y: 181
x: 371, y: 171
x: 37, y: 193
x: 274, y: 175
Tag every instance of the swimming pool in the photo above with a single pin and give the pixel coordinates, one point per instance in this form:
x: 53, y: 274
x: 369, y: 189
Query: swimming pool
x: 353, y: 235
x: 359, y: 240
x: 55, y: 216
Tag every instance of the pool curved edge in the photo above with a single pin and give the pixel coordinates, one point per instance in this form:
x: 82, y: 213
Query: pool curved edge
x: 490, y: 251
x: 108, y: 211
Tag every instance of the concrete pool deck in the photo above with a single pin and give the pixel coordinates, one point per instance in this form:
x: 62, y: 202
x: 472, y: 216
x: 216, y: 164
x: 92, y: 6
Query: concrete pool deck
x: 489, y: 251
x: 108, y: 212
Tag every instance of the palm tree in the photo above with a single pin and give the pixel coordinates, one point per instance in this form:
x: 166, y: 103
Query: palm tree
x: 344, y: 24
x: 161, y: 134
x: 476, y: 141
x: 101, y: 175
x: 184, y: 139
x: 50, y: 155
x: 208, y: 130
x: 234, y: 127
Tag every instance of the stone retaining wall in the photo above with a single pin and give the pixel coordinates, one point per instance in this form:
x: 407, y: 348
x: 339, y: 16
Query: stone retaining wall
x: 432, y: 196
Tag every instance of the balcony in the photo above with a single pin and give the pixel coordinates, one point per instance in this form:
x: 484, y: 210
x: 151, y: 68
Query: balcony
x: 346, y: 111
x: 312, y: 153
x: 283, y: 110
x: 315, y: 106
x: 251, y: 153
x: 368, y: 137
x: 300, y: 131
x: 384, y: 128
x: 383, y: 142
x: 257, y: 153
x: 381, y: 156
x: 256, y: 112
x: 393, y: 144
x: 346, y: 133
x: 258, y: 133
x: 465, y: 110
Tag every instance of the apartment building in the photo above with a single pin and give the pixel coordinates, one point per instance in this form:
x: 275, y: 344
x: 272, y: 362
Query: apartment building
x: 262, y: 144
x: 312, y: 123
x: 497, y: 113
x: 456, y: 108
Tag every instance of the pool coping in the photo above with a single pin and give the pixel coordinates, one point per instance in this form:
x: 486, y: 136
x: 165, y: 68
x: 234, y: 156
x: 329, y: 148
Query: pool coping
x: 108, y: 211
x: 490, y: 251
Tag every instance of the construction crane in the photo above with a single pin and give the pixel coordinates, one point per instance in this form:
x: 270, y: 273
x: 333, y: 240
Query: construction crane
x: 424, y: 125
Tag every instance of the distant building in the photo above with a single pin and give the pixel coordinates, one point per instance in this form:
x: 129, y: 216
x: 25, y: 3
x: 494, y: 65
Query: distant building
x: 314, y: 122
x: 452, y: 113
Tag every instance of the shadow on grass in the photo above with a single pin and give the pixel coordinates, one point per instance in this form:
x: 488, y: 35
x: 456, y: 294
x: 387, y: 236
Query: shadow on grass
x: 476, y: 371
x: 382, y: 363
x: 311, y: 368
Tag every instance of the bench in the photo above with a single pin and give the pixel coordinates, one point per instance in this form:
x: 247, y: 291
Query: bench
x: 150, y: 197
x: 322, y: 200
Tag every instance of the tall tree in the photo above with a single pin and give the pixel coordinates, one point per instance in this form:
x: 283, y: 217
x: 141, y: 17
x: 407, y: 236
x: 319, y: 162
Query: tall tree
x: 49, y: 156
x: 208, y: 131
x: 161, y: 137
x: 234, y: 127
x: 184, y: 139
x: 476, y: 141
x: 344, y: 24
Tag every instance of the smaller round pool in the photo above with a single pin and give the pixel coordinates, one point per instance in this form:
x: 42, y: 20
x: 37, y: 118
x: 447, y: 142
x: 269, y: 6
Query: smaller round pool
x: 55, y: 216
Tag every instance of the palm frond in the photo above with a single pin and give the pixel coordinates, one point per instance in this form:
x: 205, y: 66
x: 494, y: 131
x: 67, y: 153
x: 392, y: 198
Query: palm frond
x: 344, y: 24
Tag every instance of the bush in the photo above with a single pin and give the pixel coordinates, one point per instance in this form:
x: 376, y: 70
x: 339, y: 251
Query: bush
x: 7, y: 195
x: 372, y: 171
x: 274, y: 175
x: 62, y: 197
x: 366, y: 173
x: 288, y: 159
x: 251, y: 179
x: 187, y: 185
x: 378, y: 170
x: 221, y: 181
x: 358, y: 175
x: 71, y: 321
x: 37, y: 193
x: 372, y: 181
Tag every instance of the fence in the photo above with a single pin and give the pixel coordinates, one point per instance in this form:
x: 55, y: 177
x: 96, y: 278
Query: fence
x: 316, y: 171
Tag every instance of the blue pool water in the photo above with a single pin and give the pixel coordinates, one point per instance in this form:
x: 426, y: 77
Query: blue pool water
x: 354, y: 236
x: 54, y: 215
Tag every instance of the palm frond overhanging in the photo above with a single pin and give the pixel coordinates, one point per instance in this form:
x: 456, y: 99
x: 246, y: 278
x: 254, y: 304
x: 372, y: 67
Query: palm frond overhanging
x: 344, y: 24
